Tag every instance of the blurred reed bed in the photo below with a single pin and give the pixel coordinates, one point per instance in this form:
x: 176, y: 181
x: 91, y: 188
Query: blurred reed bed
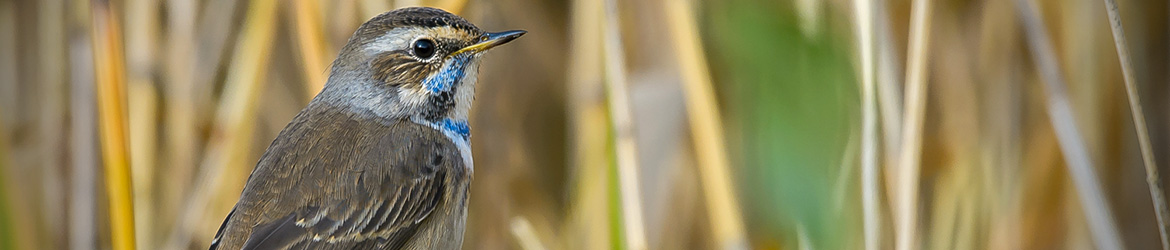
x: 643, y: 124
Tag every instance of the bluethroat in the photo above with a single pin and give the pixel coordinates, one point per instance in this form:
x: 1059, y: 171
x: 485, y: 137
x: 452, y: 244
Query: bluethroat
x: 381, y: 157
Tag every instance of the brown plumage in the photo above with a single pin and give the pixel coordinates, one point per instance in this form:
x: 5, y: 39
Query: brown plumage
x: 380, y: 159
x: 372, y: 203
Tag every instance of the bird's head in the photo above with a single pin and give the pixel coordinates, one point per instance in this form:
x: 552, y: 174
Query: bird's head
x: 415, y: 63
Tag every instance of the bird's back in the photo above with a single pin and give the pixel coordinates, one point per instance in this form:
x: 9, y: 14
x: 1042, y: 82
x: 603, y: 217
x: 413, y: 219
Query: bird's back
x: 336, y: 179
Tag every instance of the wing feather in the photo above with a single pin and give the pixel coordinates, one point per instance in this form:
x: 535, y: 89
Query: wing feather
x: 346, y: 190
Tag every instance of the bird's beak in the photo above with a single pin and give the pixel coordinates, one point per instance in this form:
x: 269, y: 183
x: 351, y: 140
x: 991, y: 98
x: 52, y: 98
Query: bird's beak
x: 490, y: 40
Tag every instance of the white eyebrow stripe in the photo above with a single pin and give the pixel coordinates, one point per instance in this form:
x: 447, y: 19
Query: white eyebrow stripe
x: 396, y: 39
x: 401, y: 38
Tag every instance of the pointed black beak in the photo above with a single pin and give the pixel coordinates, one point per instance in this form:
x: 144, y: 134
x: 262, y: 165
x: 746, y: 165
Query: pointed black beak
x: 491, y: 40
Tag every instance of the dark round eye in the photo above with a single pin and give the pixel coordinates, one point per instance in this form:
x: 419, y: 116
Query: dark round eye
x: 423, y: 48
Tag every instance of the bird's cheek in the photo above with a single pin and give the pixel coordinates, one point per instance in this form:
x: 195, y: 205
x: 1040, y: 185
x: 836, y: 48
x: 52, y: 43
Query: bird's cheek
x: 414, y: 96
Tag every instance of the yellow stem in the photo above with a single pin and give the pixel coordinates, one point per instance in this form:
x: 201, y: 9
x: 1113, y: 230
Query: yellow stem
x: 111, y: 84
x: 707, y: 129
x: 310, y: 41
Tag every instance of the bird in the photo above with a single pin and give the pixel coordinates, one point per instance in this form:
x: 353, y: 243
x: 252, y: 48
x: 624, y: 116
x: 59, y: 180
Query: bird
x: 380, y: 158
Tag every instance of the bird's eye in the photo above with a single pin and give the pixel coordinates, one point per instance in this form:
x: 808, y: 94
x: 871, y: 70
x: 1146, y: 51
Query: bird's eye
x: 424, y: 48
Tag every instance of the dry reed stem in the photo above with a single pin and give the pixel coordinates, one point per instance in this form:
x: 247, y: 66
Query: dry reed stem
x: 141, y: 17
x: 953, y: 212
x: 1060, y: 112
x: 51, y: 112
x: 998, y: 64
x: 7, y: 240
x: 8, y: 69
x: 803, y: 242
x: 706, y: 129
x: 9, y: 61
x: 83, y: 170
x: 622, y: 125
x: 906, y: 207
x: 525, y: 234
x: 587, y: 226
x: 869, y: 166
x: 845, y: 173
x: 143, y: 108
x: 229, y: 148
x: 215, y: 25
x: 889, y: 96
x: 181, y: 118
x: 1153, y: 181
x: 111, y: 87
x: 311, y: 44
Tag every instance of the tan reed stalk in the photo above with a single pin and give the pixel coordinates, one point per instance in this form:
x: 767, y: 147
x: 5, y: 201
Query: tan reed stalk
x: 906, y: 195
x: 706, y: 129
x: 622, y: 129
x: 587, y: 225
x: 890, y: 103
x: 1153, y: 181
x: 311, y: 44
x: 9, y: 238
x: 869, y: 166
x: 181, y: 117
x: 50, y: 116
x: 83, y: 139
x: 141, y: 19
x: 1060, y: 112
x: 525, y: 234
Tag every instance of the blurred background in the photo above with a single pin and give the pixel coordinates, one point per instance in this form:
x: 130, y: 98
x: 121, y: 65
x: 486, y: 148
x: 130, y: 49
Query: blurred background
x: 633, y: 124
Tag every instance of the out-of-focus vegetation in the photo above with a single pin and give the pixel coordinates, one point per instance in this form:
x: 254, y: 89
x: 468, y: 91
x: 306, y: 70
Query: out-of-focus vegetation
x: 596, y: 130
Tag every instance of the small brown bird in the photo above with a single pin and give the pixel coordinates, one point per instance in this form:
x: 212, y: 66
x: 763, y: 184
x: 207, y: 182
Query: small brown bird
x: 381, y: 158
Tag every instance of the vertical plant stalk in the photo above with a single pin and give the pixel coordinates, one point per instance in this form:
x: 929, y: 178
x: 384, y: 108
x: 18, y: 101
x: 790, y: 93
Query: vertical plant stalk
x: 869, y: 179
x: 1072, y: 146
x: 622, y: 123
x: 111, y: 86
x: 706, y: 129
x: 910, y: 155
x: 890, y: 102
x: 141, y: 18
x: 51, y: 102
x: 8, y: 235
x: 311, y: 43
x: 10, y: 238
x: 233, y: 125
x: 587, y: 225
x: 1157, y: 195
x: 83, y: 171
x: 845, y: 173
x: 525, y: 234
x: 180, y: 115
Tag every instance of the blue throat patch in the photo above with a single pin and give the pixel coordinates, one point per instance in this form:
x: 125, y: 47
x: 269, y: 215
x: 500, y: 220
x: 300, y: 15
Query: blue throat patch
x: 445, y: 80
x: 448, y: 75
x: 458, y: 127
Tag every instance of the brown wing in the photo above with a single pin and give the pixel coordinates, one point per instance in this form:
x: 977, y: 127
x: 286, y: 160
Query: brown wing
x: 332, y: 182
